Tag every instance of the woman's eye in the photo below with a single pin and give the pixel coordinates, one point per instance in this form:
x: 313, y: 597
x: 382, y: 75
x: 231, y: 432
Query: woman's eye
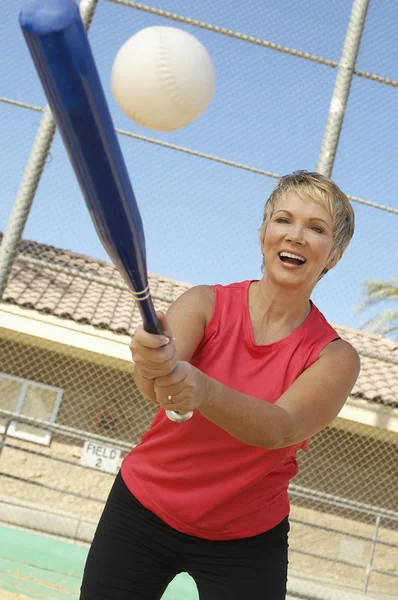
x: 282, y: 220
x: 317, y: 229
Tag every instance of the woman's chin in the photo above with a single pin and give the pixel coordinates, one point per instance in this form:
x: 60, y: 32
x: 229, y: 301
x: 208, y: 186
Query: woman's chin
x: 289, y: 279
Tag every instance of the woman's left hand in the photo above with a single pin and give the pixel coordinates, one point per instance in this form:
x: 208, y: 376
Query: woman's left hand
x: 186, y: 386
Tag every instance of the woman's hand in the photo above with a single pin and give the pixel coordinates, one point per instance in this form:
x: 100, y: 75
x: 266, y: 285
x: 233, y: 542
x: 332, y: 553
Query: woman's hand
x: 154, y: 355
x: 187, y: 387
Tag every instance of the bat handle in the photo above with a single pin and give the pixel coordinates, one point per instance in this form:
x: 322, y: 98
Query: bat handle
x: 152, y: 325
x: 156, y: 328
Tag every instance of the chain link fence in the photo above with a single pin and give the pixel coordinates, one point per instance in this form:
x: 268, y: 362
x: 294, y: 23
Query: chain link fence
x: 69, y: 409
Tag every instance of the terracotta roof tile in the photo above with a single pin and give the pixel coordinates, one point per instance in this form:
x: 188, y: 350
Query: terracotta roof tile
x: 85, y: 290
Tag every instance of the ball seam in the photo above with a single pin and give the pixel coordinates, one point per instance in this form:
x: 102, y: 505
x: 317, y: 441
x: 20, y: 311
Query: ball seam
x: 167, y: 78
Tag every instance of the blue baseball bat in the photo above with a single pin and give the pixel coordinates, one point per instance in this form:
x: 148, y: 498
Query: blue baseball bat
x: 58, y: 43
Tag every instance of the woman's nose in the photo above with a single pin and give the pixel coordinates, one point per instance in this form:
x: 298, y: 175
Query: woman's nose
x: 296, y: 236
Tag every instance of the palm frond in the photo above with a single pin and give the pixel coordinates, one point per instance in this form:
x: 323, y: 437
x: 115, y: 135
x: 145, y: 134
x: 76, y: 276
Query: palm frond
x: 378, y: 291
x: 385, y: 323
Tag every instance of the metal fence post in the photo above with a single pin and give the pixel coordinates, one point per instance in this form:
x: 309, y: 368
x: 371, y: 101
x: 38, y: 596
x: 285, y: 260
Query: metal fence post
x: 3, y: 438
x: 31, y: 177
x: 371, y: 555
x: 342, y: 87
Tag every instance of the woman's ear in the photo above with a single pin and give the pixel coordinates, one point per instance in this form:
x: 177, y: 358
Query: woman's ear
x: 334, y: 259
x: 262, y: 235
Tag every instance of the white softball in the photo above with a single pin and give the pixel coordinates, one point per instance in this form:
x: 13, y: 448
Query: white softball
x: 163, y: 78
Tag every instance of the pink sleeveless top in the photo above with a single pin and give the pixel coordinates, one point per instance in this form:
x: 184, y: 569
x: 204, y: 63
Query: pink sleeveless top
x: 195, y: 476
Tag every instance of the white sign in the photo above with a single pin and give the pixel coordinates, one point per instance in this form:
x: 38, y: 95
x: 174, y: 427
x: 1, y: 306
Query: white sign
x: 98, y: 456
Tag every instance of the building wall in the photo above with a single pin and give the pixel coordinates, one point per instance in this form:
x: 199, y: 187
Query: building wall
x: 97, y: 398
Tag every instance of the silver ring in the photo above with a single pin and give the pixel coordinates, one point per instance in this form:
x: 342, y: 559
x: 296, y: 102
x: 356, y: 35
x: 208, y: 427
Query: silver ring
x: 169, y: 400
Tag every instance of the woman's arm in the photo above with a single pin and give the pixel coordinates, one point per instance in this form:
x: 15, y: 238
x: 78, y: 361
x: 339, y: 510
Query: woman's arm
x: 307, y: 406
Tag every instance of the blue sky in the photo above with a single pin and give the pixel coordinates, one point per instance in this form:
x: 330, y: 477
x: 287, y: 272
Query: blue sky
x: 201, y: 218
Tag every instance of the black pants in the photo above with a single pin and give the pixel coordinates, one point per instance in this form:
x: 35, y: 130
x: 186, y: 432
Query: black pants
x: 135, y: 555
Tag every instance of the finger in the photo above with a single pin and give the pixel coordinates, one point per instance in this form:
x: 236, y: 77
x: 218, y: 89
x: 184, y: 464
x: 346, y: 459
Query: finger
x: 167, y: 381
x: 179, y: 402
x: 177, y: 376
x: 171, y: 390
x: 154, y: 356
x: 155, y: 402
x: 164, y: 324
x: 142, y: 338
x: 148, y: 373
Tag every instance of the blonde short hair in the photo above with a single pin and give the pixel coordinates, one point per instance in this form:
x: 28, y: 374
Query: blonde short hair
x: 319, y: 188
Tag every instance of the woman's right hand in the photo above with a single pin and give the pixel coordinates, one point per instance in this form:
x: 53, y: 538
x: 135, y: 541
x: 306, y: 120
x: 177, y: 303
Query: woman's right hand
x: 154, y: 355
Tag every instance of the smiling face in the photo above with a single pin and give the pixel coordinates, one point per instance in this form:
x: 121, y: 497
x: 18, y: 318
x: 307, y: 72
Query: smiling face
x: 297, y: 242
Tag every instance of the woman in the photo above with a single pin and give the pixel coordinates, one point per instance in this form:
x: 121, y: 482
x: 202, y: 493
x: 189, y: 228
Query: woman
x: 263, y: 371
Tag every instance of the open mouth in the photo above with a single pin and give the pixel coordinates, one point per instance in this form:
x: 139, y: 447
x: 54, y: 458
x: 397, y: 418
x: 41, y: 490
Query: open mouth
x: 292, y: 259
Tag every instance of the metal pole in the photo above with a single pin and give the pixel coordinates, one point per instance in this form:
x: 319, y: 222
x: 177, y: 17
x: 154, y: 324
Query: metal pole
x: 371, y: 555
x: 342, y: 87
x: 32, y: 175
x: 3, y: 440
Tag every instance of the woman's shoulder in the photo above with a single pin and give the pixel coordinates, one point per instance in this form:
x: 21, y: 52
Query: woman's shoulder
x: 202, y: 292
x: 205, y: 298
x: 342, y: 349
x: 336, y: 343
x: 324, y: 339
x: 198, y: 299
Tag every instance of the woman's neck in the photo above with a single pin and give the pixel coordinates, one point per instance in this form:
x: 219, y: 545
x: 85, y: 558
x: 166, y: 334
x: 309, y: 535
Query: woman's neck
x: 275, y: 312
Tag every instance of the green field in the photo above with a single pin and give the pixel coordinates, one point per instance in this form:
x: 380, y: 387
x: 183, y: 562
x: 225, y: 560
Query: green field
x: 50, y: 569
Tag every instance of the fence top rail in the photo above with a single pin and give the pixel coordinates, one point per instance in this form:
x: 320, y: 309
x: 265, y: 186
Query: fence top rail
x: 251, y: 39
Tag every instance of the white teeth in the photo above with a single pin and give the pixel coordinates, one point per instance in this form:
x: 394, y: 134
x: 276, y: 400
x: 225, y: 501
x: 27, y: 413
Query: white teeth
x: 290, y: 255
